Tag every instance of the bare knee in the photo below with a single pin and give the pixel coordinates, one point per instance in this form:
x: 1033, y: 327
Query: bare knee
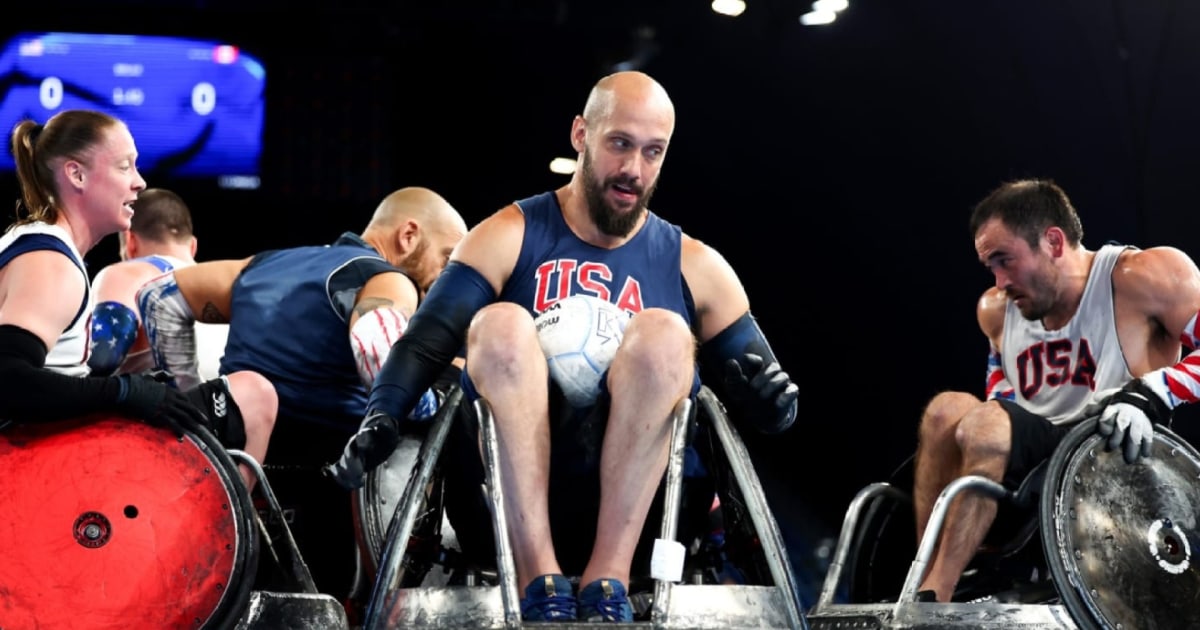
x: 501, y: 334
x: 257, y: 400
x: 944, y: 413
x: 657, y: 343
x: 984, y: 437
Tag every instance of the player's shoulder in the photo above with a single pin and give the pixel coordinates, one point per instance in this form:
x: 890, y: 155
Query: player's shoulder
x: 129, y: 272
x: 1148, y: 272
x: 1152, y: 261
x: 696, y: 251
x: 992, y: 304
x: 507, y: 223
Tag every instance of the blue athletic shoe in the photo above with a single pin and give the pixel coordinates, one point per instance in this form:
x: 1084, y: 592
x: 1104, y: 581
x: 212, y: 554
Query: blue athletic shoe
x: 548, y: 598
x: 604, y: 600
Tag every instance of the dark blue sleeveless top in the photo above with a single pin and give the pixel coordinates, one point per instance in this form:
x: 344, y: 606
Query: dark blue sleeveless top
x: 291, y: 312
x: 554, y: 263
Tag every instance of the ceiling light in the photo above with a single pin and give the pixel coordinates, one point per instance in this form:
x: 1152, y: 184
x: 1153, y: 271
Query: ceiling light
x: 732, y: 8
x: 562, y: 166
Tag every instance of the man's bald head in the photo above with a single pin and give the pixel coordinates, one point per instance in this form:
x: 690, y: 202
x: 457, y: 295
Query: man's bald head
x: 629, y: 91
x: 416, y: 229
x: 422, y: 205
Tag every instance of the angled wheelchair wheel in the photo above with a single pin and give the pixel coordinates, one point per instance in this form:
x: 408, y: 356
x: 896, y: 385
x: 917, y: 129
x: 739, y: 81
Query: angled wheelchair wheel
x: 376, y: 506
x: 110, y: 522
x: 1121, y: 538
x: 400, y: 522
x: 884, y: 544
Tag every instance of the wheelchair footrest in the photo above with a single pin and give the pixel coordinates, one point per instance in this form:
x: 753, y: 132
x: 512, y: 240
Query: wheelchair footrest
x: 268, y: 610
x: 935, y: 616
x: 700, y: 606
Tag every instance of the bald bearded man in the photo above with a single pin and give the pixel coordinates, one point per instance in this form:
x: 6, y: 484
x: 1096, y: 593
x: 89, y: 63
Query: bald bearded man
x: 318, y: 322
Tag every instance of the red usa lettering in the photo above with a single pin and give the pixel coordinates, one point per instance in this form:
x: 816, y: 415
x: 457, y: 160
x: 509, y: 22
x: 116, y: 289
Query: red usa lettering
x: 557, y: 279
x: 1053, y: 364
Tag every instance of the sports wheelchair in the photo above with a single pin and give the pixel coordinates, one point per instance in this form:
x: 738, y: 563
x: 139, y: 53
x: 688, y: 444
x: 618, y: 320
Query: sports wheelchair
x: 110, y: 523
x: 1090, y: 542
x: 420, y: 578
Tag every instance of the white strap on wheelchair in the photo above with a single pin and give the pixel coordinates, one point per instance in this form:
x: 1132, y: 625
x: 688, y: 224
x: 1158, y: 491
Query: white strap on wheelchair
x: 170, y: 327
x: 666, y: 562
x: 371, y: 339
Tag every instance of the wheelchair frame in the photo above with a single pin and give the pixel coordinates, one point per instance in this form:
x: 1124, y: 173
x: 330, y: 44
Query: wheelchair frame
x: 1058, y: 487
x: 397, y: 602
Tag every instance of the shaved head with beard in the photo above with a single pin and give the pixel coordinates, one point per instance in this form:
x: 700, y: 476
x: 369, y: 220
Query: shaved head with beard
x: 608, y: 219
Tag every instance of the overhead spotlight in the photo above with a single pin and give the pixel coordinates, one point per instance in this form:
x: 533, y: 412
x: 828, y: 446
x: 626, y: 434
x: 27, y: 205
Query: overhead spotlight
x: 836, y: 6
x: 816, y: 18
x: 562, y: 166
x: 732, y: 8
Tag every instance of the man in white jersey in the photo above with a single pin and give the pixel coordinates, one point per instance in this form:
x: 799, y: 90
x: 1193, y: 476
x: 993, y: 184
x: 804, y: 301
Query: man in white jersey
x: 160, y: 239
x: 1073, y: 333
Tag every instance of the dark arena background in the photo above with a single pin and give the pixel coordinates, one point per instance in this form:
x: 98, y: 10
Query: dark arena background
x: 833, y: 165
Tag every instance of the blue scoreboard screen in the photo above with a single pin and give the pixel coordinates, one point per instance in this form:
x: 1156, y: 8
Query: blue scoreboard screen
x: 194, y: 107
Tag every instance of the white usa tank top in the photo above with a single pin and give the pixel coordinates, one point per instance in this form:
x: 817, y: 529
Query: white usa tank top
x: 210, y: 339
x: 69, y: 354
x: 1056, y: 372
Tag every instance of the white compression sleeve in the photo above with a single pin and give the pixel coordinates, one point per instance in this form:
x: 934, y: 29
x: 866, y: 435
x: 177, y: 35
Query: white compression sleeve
x: 372, y: 337
x: 170, y: 328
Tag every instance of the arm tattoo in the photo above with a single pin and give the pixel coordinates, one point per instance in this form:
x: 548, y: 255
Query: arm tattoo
x: 210, y: 314
x: 366, y: 305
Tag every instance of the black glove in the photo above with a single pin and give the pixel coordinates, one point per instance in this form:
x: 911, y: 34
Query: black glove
x: 371, y: 446
x: 147, y: 397
x: 764, y: 393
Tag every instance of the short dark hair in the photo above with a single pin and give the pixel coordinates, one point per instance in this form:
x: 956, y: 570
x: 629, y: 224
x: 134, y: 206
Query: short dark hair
x: 1028, y: 207
x: 160, y: 215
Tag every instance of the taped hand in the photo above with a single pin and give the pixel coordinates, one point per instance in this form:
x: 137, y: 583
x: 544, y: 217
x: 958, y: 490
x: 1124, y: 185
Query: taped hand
x: 145, y: 396
x: 764, y: 391
x: 1128, y: 420
x: 371, y: 446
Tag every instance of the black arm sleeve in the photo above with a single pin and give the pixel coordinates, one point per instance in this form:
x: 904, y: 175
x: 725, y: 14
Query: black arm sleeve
x: 434, y: 336
x: 740, y: 338
x: 31, y: 393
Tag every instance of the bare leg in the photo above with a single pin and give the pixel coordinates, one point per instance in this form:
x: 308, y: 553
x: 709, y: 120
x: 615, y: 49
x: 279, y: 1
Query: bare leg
x: 259, y: 404
x: 509, y: 370
x: 984, y: 439
x: 938, y: 460
x: 650, y: 374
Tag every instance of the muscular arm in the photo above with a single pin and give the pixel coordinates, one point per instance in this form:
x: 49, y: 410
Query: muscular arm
x: 758, y: 391
x: 378, y: 320
x: 718, y: 293
x: 115, y: 322
x: 40, y: 293
x: 492, y: 247
x: 478, y: 269
x: 990, y: 313
x: 208, y: 288
x: 171, y: 303
x: 1157, y: 299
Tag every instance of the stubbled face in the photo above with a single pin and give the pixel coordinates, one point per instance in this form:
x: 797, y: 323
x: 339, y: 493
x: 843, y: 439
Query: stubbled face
x: 112, y: 181
x: 430, y: 256
x: 1026, y: 275
x: 622, y: 156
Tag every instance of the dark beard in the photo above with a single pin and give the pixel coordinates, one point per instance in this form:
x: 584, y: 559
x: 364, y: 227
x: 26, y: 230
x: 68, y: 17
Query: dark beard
x: 608, y: 219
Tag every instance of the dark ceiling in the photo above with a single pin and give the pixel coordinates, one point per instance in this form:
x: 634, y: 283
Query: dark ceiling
x: 834, y: 166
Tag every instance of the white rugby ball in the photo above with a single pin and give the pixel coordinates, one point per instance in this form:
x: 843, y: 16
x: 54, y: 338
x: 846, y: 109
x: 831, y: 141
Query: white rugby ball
x: 579, y: 336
